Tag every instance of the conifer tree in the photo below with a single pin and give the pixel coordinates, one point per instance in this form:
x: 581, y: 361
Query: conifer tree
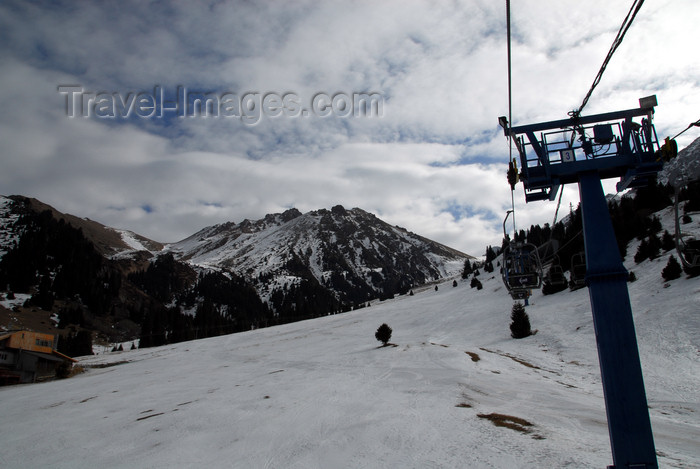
x: 383, y: 334
x: 520, y: 325
x: 467, y: 269
x: 654, y: 225
x: 490, y: 254
x: 672, y: 270
x: 654, y: 246
x: 667, y: 241
x: 642, y: 252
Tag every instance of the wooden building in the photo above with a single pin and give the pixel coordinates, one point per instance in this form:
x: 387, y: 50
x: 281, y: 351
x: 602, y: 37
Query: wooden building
x: 28, y: 357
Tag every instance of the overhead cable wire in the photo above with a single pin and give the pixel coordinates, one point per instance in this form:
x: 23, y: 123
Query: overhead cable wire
x: 692, y: 124
x: 510, y: 111
x: 637, y: 4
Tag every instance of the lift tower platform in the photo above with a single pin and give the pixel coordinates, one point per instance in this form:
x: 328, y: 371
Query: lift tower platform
x: 585, y: 150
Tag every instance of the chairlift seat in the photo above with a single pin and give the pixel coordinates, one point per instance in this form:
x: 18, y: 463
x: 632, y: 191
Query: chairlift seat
x: 522, y: 269
x: 555, y: 276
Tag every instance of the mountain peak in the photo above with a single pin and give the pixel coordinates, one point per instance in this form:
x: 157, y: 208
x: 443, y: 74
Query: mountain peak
x: 352, y: 252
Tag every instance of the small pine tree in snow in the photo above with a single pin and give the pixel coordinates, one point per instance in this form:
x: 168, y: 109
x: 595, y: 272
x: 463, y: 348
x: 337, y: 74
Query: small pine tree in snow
x: 667, y: 241
x: 672, y: 270
x: 520, y: 325
x: 467, y: 269
x: 642, y: 252
x: 476, y: 283
x: 383, y: 334
x: 654, y: 246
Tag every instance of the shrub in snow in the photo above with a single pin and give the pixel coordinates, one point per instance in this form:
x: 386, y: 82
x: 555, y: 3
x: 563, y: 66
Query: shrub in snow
x: 383, y: 334
x: 672, y: 270
x: 476, y: 283
x: 520, y: 325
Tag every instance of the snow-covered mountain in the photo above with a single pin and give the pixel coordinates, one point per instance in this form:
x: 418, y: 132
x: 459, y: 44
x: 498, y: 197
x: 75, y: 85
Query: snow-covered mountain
x: 8, y: 237
x: 352, y: 252
x: 110, y: 242
x: 684, y: 168
x: 322, y: 394
x: 299, y: 265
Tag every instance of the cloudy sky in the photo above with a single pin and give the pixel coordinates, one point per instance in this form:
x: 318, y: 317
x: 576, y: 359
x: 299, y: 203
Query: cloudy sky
x: 430, y: 157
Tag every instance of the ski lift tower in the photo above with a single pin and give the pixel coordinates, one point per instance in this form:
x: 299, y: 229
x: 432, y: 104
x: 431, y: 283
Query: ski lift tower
x: 585, y: 150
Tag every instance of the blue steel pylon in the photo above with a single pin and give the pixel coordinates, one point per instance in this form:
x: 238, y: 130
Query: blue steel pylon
x: 629, y: 426
x: 567, y: 153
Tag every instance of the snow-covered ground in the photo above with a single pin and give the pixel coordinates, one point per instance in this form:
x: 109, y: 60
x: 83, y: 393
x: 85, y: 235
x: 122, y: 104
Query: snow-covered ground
x: 322, y: 394
x: 131, y: 240
x: 135, y: 244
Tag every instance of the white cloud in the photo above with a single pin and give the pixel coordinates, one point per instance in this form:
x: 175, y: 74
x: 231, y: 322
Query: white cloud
x: 434, y: 163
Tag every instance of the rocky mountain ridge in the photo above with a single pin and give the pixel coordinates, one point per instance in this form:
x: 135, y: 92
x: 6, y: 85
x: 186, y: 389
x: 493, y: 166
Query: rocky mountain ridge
x: 353, y: 252
x: 225, y: 278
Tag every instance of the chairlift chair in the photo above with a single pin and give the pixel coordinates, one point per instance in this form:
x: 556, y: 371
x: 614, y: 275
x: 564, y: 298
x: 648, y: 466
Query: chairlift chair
x: 687, y: 246
x: 578, y: 271
x: 555, y: 276
x: 521, y: 270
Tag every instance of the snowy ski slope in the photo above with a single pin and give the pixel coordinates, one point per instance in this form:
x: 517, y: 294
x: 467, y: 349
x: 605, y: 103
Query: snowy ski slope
x: 322, y: 394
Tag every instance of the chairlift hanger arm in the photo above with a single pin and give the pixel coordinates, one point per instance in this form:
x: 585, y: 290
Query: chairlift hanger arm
x: 505, y: 235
